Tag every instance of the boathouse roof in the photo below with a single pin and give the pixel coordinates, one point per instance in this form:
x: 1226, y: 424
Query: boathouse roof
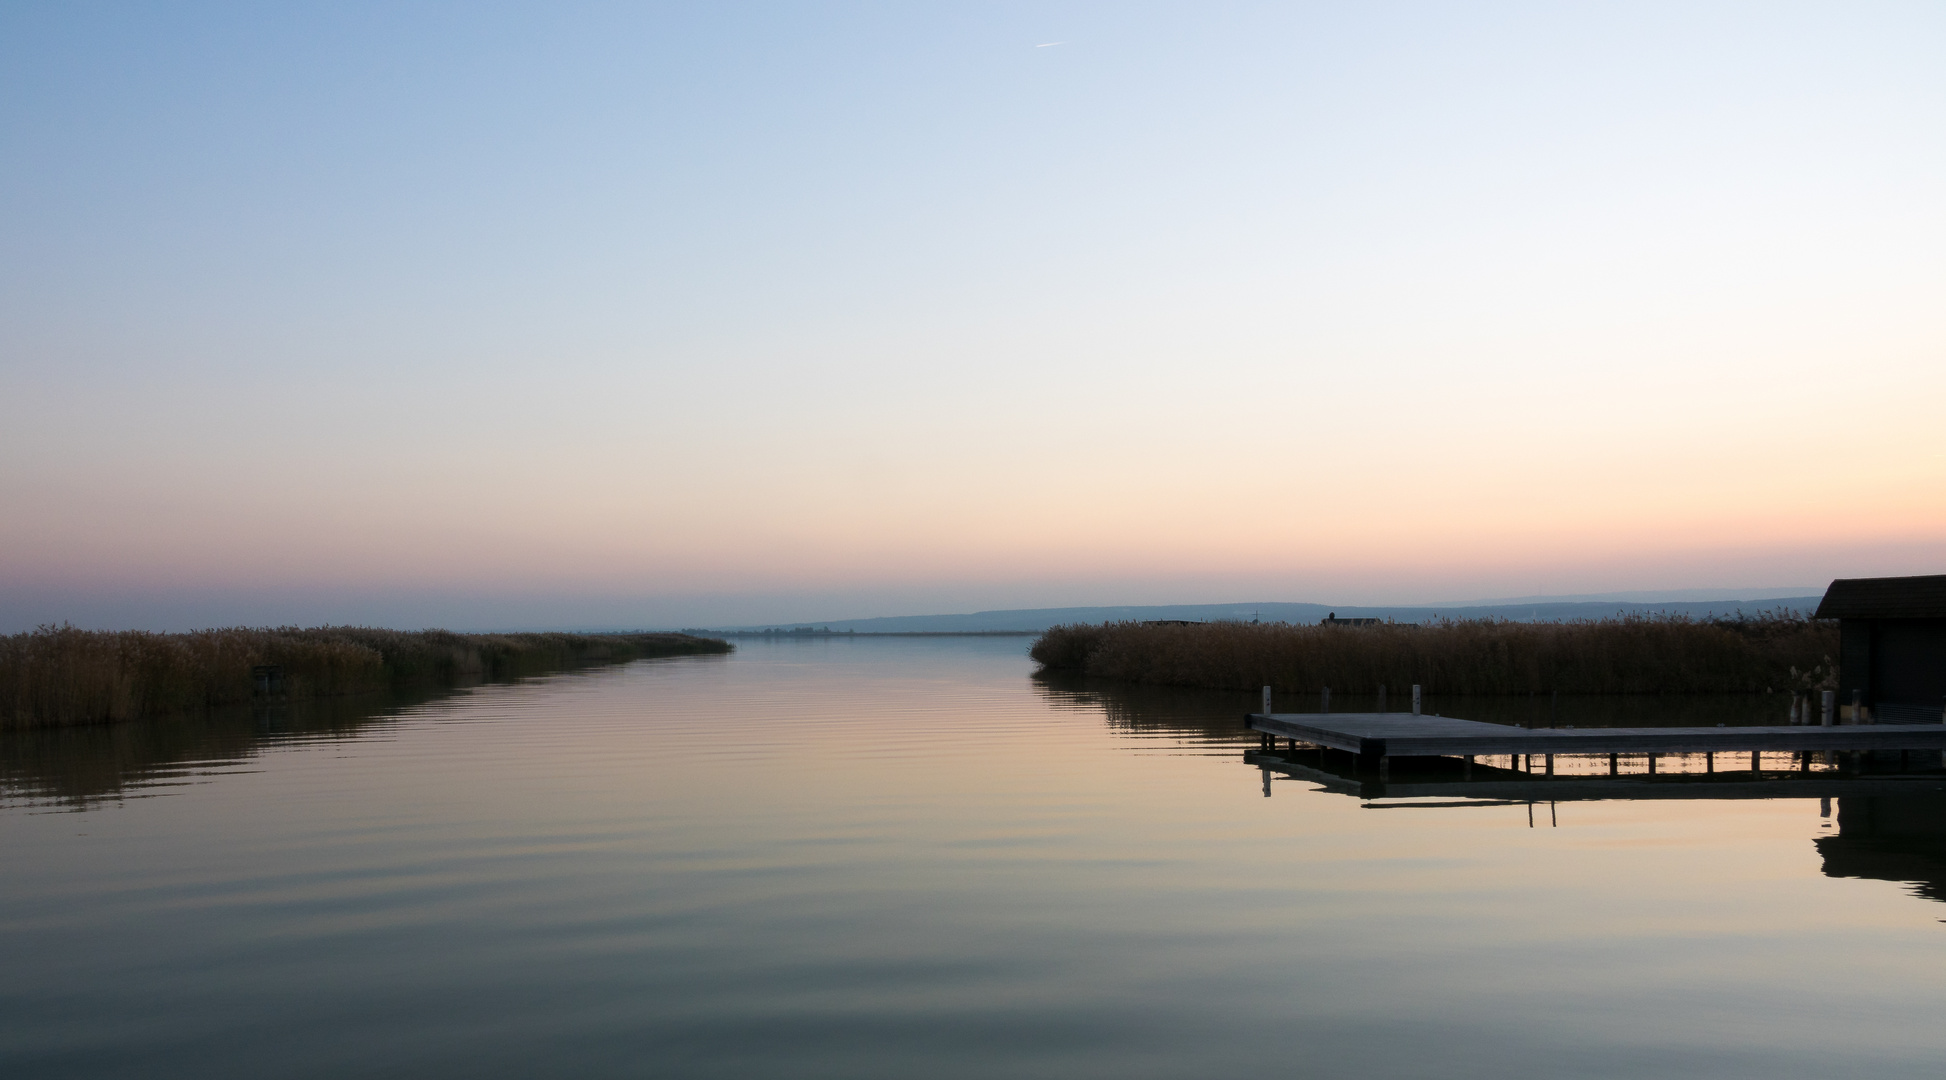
x: 1885, y: 598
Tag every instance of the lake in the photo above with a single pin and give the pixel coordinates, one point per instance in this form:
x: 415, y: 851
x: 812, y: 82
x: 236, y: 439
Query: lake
x: 907, y: 857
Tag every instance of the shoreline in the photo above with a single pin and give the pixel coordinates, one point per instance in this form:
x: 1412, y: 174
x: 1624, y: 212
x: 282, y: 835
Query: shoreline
x: 1632, y: 655
x: 62, y: 676
x: 789, y: 635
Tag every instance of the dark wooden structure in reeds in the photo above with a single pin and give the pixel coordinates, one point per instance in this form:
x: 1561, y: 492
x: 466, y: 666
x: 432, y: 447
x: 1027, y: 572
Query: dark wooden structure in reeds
x: 1333, y: 620
x: 1891, y: 646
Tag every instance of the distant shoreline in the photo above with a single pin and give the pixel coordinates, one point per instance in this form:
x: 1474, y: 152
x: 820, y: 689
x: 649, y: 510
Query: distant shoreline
x: 1038, y: 620
x: 798, y: 635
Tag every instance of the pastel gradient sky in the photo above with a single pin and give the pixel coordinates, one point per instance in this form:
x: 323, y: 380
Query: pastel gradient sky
x: 585, y: 314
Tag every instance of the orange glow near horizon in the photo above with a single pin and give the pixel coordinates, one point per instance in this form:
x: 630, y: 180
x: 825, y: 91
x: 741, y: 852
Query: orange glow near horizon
x: 1542, y: 310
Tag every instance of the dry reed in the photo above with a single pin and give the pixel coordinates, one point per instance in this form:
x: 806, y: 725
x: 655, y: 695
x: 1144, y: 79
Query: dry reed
x: 1629, y: 655
x: 60, y: 675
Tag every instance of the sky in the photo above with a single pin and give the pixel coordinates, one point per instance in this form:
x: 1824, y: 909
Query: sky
x: 660, y: 315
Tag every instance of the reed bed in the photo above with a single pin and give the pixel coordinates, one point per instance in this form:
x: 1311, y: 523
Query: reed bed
x: 1628, y: 655
x: 57, y: 676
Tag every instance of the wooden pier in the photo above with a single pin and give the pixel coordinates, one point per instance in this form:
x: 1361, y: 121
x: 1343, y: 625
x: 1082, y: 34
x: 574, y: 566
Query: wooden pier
x: 1378, y: 737
x: 1486, y: 784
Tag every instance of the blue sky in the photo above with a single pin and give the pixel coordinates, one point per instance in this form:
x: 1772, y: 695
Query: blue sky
x: 634, y: 314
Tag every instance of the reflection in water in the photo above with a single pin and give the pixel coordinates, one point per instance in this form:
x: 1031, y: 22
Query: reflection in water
x: 80, y: 766
x: 1890, y: 839
x: 1136, y: 706
x: 1891, y: 807
x: 1168, y: 711
x: 905, y: 857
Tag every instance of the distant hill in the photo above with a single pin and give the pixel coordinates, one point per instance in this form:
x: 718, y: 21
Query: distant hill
x: 1538, y: 609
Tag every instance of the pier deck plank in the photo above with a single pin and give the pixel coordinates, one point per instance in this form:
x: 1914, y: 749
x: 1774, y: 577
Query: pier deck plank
x: 1406, y: 735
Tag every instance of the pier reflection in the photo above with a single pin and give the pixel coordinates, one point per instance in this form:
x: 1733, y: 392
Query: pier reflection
x: 1888, y: 808
x: 1890, y: 813
x: 1889, y: 838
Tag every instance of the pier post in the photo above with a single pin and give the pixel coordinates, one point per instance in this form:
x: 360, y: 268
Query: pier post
x: 1614, y: 764
x: 1550, y: 764
x: 1415, y: 703
x: 1266, y: 701
x: 1652, y: 764
x: 1709, y: 761
x: 1756, y: 761
x: 1830, y: 706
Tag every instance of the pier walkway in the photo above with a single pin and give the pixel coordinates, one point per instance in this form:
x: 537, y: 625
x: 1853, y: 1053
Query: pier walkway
x: 1377, y: 737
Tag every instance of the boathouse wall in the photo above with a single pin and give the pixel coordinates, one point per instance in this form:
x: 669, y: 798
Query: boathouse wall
x: 1891, y: 645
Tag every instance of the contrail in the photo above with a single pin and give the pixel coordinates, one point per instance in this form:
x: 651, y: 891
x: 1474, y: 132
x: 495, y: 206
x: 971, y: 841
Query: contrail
x: 1046, y: 44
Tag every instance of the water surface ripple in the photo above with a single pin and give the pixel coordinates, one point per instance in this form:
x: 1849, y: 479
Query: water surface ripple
x: 903, y: 858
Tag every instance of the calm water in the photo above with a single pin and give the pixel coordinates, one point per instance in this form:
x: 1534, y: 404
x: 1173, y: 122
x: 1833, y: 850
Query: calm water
x: 905, y: 858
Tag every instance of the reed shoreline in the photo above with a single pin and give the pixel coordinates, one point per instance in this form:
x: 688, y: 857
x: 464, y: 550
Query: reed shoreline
x: 1768, y: 653
x: 61, y: 676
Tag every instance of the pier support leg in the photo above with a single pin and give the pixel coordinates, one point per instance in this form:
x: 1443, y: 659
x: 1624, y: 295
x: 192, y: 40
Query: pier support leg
x: 1550, y: 764
x: 1709, y: 761
x: 1614, y: 764
x: 1756, y: 761
x: 1652, y: 764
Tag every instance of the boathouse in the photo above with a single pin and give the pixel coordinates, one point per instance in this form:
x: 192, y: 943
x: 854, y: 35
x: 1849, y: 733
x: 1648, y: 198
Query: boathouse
x: 1333, y: 620
x: 1891, y: 646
